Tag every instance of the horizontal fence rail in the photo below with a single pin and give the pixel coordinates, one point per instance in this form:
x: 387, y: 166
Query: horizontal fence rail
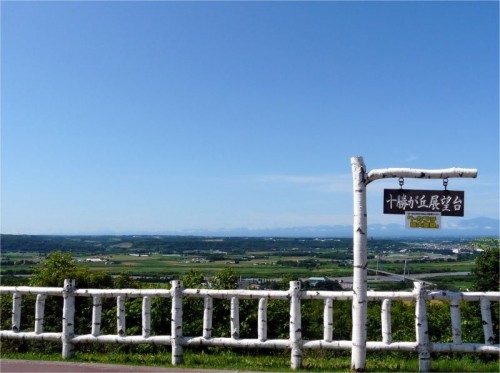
x: 295, y: 343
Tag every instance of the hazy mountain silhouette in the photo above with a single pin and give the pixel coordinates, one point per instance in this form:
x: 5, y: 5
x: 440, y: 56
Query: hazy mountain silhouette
x: 478, y: 227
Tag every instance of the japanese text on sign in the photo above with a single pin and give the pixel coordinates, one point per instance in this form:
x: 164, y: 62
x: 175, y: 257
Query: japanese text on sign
x: 447, y: 202
x: 428, y: 220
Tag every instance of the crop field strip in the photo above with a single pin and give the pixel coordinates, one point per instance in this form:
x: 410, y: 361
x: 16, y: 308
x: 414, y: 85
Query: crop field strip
x: 264, y: 258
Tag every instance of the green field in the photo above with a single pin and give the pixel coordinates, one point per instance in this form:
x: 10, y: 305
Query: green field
x: 169, y: 266
x: 166, y: 257
x: 172, y: 266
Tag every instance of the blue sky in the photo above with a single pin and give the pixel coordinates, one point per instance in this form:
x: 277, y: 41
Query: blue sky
x: 126, y: 117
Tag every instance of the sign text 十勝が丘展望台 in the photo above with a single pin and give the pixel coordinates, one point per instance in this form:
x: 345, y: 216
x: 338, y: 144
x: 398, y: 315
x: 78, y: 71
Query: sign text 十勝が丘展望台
x: 446, y: 202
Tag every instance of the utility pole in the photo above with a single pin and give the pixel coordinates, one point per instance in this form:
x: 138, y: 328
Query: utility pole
x: 361, y: 178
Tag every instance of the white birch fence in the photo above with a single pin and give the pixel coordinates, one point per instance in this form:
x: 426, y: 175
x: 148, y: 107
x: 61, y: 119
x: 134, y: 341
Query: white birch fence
x: 295, y: 343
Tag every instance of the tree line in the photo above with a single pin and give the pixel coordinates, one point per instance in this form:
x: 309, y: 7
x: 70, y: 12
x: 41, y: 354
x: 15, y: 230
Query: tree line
x: 162, y: 244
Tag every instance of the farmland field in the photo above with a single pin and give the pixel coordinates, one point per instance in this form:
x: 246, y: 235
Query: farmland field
x: 167, y: 257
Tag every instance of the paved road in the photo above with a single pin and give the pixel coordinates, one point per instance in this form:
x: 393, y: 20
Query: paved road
x: 34, y: 366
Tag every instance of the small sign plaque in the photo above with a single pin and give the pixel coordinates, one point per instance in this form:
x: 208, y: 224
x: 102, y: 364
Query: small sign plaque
x: 426, y: 220
x: 446, y: 202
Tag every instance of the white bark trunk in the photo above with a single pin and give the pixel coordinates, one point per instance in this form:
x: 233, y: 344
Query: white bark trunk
x: 235, y: 318
x: 476, y: 348
x: 295, y: 325
x: 30, y: 336
x: 359, y: 282
x: 386, y: 321
x: 242, y: 294
x: 475, y: 296
x: 120, y: 316
x: 374, y: 346
x: 132, y: 339
x: 68, y: 327
x: 238, y: 343
x: 422, y: 329
x: 207, y: 317
x: 129, y: 293
x: 421, y: 174
x: 30, y: 290
x: 177, y: 350
x: 16, y: 312
x: 39, y: 313
x: 146, y: 316
x: 262, y: 320
x: 328, y: 320
x: 456, y: 321
x: 489, y: 337
x: 96, y: 315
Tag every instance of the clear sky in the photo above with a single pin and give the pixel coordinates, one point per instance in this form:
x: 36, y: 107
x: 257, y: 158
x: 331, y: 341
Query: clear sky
x: 126, y: 117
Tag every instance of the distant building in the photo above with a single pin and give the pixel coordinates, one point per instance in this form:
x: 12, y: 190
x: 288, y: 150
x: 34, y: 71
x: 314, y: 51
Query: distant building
x: 95, y: 260
x: 313, y: 281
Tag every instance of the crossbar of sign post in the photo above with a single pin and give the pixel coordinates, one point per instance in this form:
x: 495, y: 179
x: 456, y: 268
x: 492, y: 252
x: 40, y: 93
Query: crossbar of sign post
x: 424, y: 208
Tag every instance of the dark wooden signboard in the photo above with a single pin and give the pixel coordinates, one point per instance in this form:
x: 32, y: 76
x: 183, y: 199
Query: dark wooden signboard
x: 447, y: 202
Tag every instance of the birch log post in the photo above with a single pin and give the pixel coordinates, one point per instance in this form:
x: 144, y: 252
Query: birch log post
x: 456, y: 321
x: 485, y: 304
x: 207, y: 317
x: 120, y: 316
x: 262, y: 320
x: 16, y: 312
x: 96, y: 315
x: 177, y: 350
x: 422, y: 328
x: 146, y: 316
x: 295, y: 325
x: 386, y: 321
x: 68, y: 325
x: 359, y: 282
x: 39, y: 313
x: 328, y: 320
x: 235, y: 318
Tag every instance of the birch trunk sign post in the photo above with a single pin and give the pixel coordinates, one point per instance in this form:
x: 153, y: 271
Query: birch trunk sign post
x: 361, y: 178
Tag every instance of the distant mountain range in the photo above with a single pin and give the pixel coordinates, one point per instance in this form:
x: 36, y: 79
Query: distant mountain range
x: 478, y: 227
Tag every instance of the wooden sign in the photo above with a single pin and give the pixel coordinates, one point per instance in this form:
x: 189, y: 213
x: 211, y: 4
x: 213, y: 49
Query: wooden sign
x: 446, y: 202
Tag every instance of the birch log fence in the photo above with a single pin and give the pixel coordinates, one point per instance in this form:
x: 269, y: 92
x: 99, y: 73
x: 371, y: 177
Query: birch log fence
x: 295, y: 343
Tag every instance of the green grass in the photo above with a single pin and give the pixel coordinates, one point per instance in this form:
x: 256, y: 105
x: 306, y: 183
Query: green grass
x: 277, y: 361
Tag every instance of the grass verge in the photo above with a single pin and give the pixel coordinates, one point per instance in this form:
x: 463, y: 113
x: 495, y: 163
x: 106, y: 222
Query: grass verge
x: 277, y: 361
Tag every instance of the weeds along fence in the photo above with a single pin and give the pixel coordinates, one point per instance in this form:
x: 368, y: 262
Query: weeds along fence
x: 295, y: 343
